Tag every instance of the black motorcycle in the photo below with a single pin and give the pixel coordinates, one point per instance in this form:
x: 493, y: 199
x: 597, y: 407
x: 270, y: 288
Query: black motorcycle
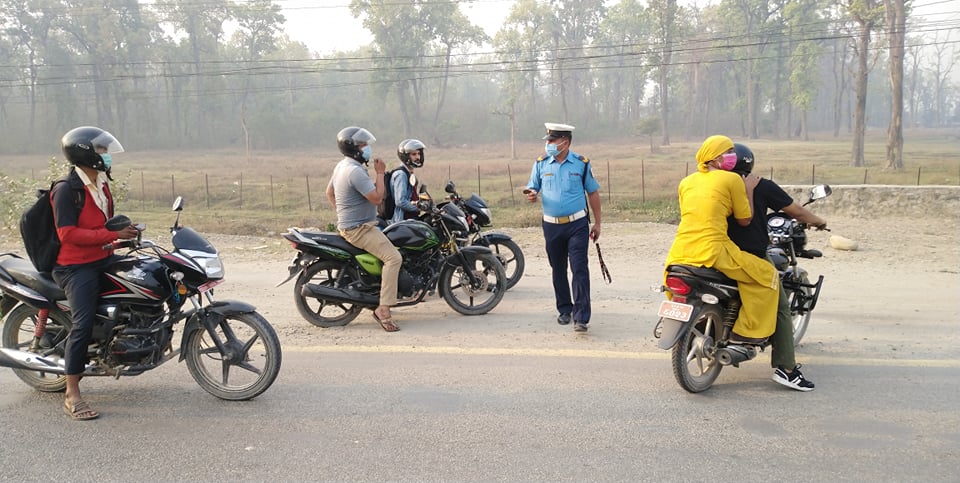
x: 478, y: 217
x: 336, y: 280
x: 697, y: 320
x: 230, y: 349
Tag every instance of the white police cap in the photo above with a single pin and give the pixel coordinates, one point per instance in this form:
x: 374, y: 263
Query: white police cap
x: 555, y: 130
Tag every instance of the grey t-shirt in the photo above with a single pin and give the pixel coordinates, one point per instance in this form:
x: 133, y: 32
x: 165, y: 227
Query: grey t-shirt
x: 351, y: 184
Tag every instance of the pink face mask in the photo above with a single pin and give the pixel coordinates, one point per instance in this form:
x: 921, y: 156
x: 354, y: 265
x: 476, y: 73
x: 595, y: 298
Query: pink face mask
x: 729, y: 161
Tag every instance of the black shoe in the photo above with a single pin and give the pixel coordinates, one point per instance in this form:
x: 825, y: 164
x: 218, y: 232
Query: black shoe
x: 579, y: 326
x: 793, y: 379
x: 563, y: 319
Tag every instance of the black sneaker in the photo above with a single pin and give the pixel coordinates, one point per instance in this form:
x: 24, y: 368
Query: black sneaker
x: 579, y: 326
x: 794, y: 379
x: 563, y: 319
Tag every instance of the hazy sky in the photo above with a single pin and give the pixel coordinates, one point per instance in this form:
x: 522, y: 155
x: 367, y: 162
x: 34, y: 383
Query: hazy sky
x: 326, y: 26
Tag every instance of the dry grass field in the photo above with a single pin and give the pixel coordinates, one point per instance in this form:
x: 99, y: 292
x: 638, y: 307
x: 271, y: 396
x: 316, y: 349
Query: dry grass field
x: 228, y: 192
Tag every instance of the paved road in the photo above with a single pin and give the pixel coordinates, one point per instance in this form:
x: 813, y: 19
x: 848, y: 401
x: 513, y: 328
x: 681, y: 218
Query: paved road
x: 381, y: 413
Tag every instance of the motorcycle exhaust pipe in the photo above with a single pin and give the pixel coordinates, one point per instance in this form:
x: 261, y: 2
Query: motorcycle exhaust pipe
x: 28, y: 360
x: 733, y: 355
x: 339, y: 295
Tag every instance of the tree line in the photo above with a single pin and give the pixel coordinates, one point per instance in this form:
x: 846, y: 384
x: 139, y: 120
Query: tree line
x: 201, y: 74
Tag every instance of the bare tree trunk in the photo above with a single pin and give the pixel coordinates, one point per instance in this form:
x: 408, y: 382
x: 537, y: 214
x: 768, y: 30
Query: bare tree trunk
x: 896, y: 31
x: 839, y: 84
x: 860, y: 86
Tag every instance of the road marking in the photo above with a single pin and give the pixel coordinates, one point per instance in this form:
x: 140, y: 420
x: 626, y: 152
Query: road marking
x: 599, y: 354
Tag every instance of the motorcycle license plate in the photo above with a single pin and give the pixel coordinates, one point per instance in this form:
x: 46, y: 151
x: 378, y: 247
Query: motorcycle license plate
x: 675, y: 311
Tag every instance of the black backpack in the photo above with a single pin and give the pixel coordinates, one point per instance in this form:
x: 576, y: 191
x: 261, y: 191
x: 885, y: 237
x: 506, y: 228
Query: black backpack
x: 387, y: 205
x: 39, y: 230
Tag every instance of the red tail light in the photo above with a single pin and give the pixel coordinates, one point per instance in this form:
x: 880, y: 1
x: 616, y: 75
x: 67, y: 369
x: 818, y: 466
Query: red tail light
x: 677, y: 286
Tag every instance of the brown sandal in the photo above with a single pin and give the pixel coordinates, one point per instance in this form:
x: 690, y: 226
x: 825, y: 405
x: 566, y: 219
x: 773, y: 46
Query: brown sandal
x: 79, y: 411
x: 387, y: 323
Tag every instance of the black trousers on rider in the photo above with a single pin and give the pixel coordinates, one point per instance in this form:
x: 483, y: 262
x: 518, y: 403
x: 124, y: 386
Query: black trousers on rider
x: 81, y: 283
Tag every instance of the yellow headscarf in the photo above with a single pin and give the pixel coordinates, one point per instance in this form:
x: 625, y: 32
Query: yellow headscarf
x: 712, y: 147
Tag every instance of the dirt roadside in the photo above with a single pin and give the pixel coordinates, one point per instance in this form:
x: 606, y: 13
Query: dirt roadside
x: 894, y: 298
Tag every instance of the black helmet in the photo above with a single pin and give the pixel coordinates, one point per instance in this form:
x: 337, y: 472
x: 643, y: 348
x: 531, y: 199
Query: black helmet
x: 744, y: 159
x: 349, y: 140
x: 80, y: 146
x: 408, y: 146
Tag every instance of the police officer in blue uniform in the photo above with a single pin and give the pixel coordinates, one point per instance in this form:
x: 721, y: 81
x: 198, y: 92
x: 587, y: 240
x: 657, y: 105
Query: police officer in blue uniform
x: 564, y: 181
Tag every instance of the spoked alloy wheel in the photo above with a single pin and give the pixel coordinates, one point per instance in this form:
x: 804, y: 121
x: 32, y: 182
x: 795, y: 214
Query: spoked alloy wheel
x: 18, y: 334
x: 239, y: 361
x: 511, y: 257
x: 694, y: 362
x: 800, y: 322
x: 323, y: 313
x: 455, y: 287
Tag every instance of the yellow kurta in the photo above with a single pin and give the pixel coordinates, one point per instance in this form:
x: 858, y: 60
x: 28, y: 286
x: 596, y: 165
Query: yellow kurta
x: 706, y: 200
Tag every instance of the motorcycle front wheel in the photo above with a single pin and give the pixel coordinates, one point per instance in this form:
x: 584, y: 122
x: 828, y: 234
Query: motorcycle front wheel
x: 694, y: 361
x: 473, y: 298
x: 238, y: 361
x: 511, y: 257
x: 798, y: 298
x: 324, y: 313
x: 18, y: 334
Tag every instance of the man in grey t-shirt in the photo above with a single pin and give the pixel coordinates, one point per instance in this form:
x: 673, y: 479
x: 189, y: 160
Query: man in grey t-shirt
x: 356, y: 197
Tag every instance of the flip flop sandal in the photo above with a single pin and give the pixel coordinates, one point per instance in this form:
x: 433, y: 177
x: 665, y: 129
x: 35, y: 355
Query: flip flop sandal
x: 80, y: 411
x: 387, y: 323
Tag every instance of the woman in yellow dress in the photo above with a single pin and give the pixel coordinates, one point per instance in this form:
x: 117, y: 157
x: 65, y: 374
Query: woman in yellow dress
x: 707, y: 198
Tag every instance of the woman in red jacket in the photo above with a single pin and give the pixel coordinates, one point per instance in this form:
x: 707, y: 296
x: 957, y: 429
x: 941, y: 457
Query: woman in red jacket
x: 83, y: 234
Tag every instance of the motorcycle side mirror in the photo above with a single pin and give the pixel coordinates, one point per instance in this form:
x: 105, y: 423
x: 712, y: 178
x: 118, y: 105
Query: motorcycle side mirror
x: 178, y: 204
x: 820, y: 191
x: 450, y: 187
x: 118, y: 222
x: 423, y: 188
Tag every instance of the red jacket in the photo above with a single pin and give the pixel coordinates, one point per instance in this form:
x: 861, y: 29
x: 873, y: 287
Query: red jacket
x: 82, y: 233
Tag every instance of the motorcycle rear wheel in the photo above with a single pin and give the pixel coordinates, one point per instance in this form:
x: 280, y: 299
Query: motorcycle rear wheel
x: 323, y: 313
x: 455, y: 288
x: 18, y: 334
x: 695, y: 365
x: 239, y: 361
x: 800, y: 322
x: 510, y: 255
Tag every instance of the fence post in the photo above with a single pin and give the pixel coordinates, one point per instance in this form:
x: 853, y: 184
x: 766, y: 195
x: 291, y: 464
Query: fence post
x: 813, y: 174
x: 309, y: 202
x: 864, y: 175
x: 771, y: 174
x: 918, y: 175
x: 513, y: 197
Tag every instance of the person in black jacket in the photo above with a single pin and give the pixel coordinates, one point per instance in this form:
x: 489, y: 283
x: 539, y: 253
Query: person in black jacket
x: 754, y: 239
x: 83, y: 234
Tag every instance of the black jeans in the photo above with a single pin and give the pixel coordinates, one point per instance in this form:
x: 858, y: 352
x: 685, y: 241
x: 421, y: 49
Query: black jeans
x: 82, y: 286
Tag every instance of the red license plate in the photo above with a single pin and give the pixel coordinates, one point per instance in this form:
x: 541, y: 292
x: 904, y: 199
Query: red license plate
x: 675, y: 311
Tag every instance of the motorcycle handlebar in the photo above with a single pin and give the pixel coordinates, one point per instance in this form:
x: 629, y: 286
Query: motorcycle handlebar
x: 118, y: 244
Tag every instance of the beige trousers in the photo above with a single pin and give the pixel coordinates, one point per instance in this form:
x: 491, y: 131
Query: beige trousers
x: 369, y: 237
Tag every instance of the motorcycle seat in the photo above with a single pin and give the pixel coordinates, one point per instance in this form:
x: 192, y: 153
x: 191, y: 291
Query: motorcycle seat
x: 705, y: 273
x: 25, y: 274
x: 332, y: 239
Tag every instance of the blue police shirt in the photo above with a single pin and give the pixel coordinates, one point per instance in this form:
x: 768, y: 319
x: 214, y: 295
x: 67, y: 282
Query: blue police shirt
x: 561, y: 184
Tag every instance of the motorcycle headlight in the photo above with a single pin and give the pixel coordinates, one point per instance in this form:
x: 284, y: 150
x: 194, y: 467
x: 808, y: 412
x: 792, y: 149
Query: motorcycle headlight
x: 212, y: 266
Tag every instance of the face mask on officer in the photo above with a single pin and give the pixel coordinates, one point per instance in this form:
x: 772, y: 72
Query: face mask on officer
x: 366, y: 152
x: 551, y: 149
